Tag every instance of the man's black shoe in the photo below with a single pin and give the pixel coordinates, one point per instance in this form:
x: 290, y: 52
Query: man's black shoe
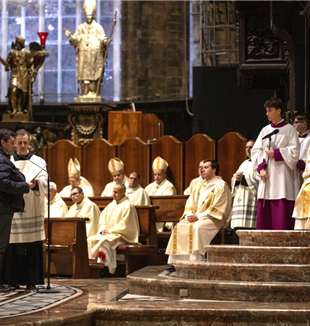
x: 31, y: 287
x: 105, y: 272
x: 170, y: 269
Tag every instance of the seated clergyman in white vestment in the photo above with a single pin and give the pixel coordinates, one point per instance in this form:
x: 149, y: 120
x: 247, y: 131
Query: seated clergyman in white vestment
x: 206, y: 211
x: 84, y: 207
x: 161, y: 186
x: 135, y: 193
x: 195, y: 182
x: 58, y: 208
x: 76, y: 180
x: 116, y: 168
x: 244, y: 185
x: 301, y: 211
x: 118, y: 225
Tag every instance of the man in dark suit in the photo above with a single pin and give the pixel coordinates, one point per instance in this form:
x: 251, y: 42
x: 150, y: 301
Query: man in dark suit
x: 12, y: 188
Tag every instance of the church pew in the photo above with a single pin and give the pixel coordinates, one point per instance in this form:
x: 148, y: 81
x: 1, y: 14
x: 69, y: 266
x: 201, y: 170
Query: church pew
x: 171, y: 150
x: 96, y: 156
x: 99, y: 201
x: 68, y: 247
x: 140, y: 255
x: 129, y: 151
x: 199, y: 147
x: 69, y: 254
x: 230, y: 154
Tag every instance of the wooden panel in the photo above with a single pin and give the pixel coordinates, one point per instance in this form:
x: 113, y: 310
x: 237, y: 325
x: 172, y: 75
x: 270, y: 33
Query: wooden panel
x: 99, y: 201
x: 171, y: 208
x: 230, y: 154
x: 124, y: 125
x: 171, y: 150
x: 58, y: 157
x: 152, y: 127
x: 70, y: 233
x: 96, y: 156
x: 136, y: 157
x: 199, y: 147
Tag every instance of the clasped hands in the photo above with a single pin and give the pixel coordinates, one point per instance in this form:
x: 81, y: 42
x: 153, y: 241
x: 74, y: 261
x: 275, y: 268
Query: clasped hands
x: 192, y: 218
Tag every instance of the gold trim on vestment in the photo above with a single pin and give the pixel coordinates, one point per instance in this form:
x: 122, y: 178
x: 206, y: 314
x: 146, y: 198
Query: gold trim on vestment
x: 190, y: 238
x: 175, y: 240
x: 305, y: 202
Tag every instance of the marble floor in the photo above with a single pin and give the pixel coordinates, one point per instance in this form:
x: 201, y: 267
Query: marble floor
x: 106, y: 301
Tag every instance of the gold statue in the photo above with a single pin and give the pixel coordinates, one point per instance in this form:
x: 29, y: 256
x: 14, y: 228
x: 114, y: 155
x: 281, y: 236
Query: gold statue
x: 91, y: 46
x: 24, y: 65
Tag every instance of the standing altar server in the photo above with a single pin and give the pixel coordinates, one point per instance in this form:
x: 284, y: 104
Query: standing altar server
x: 275, y: 155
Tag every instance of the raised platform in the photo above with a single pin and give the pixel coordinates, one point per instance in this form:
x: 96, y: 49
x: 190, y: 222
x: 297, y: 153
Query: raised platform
x: 157, y: 297
x: 148, y: 281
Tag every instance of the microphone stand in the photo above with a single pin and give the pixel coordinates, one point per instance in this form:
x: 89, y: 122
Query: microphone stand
x: 49, y: 234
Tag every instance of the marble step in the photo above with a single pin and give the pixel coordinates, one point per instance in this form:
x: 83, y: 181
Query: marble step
x: 257, y: 254
x: 154, y: 281
x: 201, y: 313
x: 243, y: 272
x: 272, y: 238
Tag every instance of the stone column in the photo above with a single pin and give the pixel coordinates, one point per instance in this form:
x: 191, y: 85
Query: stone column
x: 154, y: 49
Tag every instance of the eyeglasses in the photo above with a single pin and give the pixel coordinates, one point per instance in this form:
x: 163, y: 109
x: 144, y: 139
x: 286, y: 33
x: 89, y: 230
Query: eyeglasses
x: 74, y: 194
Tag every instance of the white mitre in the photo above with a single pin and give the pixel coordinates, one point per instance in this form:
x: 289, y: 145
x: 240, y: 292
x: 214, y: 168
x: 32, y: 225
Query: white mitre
x: 74, y: 169
x: 116, y: 166
x: 159, y: 165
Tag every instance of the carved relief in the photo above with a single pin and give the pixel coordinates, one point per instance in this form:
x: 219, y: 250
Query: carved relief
x: 261, y: 42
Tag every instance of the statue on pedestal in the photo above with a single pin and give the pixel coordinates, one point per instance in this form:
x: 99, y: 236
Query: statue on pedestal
x: 24, y: 65
x: 91, y: 46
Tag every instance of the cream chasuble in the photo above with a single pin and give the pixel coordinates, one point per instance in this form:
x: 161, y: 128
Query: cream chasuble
x: 58, y: 207
x: 121, y: 220
x: 194, y: 183
x: 211, y: 201
x: 166, y: 188
x: 86, y: 209
x: 85, y: 185
x: 138, y: 196
x: 108, y: 189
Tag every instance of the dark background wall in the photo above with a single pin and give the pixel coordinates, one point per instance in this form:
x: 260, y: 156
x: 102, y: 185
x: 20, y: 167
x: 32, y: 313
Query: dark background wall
x: 220, y: 106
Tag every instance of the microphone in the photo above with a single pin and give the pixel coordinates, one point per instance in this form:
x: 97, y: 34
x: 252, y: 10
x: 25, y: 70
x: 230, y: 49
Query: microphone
x: 271, y: 134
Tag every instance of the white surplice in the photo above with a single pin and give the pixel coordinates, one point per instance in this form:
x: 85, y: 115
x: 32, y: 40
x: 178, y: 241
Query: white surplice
x: 28, y: 226
x: 284, y: 180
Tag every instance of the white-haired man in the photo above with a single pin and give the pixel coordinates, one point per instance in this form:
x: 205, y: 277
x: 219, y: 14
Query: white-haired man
x: 118, y: 224
x: 58, y: 207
